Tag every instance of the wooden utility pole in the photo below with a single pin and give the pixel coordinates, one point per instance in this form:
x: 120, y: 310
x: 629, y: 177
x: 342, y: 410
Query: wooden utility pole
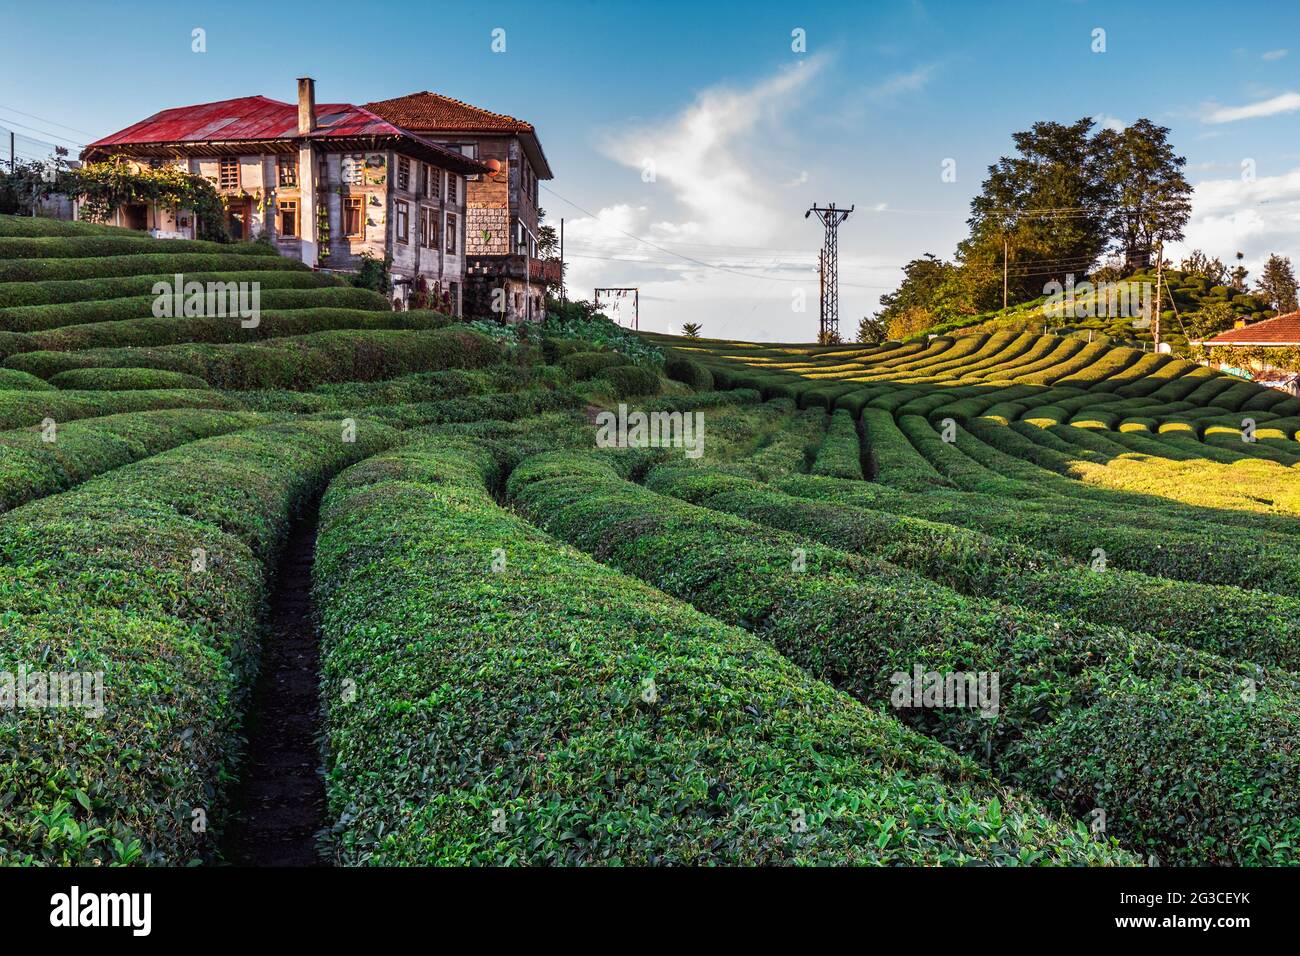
x: 1155, y: 319
x: 1004, y: 273
x: 562, y: 298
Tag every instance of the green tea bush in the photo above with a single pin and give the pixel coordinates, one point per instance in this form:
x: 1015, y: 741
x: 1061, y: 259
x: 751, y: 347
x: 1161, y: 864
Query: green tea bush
x: 119, y: 379
x: 593, y: 719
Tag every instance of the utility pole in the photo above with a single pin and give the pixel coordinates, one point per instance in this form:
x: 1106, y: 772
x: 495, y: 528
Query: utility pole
x: 1004, y: 273
x: 1155, y: 319
x: 830, y: 217
x: 13, y: 163
x: 821, y: 291
x: 563, y: 300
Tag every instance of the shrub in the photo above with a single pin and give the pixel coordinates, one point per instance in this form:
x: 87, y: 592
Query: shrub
x: 102, y: 267
x: 627, y: 380
x: 862, y: 622
x: 296, y: 363
x: 839, y: 455
x: 707, y: 770
x: 120, y: 379
x: 36, y: 318
x: 691, y: 372
x: 101, y: 579
x: 80, y: 247
x: 52, y: 291
x: 584, y: 365
x: 22, y: 381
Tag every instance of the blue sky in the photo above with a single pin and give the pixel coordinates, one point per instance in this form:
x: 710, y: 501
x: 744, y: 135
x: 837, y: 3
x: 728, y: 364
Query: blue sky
x: 700, y: 128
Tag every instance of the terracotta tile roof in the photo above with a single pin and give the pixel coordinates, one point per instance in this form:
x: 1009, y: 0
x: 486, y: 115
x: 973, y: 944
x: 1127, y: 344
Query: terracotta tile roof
x: 430, y: 111
x: 1283, y: 330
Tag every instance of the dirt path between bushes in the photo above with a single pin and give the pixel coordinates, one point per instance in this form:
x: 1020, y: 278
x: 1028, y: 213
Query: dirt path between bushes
x: 280, y: 801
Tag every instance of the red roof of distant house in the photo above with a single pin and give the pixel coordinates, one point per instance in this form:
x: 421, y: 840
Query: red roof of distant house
x: 432, y: 112
x: 254, y: 118
x: 1280, y: 331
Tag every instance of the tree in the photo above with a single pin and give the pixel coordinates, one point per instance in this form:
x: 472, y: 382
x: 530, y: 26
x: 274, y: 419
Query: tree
x: 1212, y: 318
x: 1237, y: 278
x: 828, y: 338
x: 1146, y: 195
x: 1197, y: 263
x: 871, y: 330
x: 691, y: 330
x: 1046, y: 203
x: 1276, y: 284
x: 909, y: 323
x: 923, y: 287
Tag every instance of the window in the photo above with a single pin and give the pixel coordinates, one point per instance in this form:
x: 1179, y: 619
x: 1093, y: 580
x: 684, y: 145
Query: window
x: 403, y: 173
x: 452, y: 188
x: 288, y: 167
x: 402, y: 212
x: 354, y: 217
x: 287, y: 224
x: 451, y: 234
x: 429, y: 228
x: 228, y: 172
x: 352, y: 170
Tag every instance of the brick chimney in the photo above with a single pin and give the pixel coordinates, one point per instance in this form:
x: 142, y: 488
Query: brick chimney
x: 306, y: 105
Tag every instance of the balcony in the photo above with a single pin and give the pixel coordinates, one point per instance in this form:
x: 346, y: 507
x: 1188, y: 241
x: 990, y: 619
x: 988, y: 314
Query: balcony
x: 513, y: 267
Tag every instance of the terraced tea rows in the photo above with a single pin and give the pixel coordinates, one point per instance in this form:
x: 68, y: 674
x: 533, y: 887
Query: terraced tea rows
x: 538, y: 650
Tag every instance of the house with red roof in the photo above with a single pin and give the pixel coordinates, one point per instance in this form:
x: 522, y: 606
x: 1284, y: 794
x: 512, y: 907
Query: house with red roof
x: 327, y: 184
x: 1261, y: 338
x: 504, y: 271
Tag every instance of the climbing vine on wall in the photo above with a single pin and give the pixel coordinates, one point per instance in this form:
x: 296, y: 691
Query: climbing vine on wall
x: 106, y: 186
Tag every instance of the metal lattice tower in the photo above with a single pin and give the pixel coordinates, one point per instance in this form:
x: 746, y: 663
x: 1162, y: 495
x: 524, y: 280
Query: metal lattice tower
x: 829, y: 321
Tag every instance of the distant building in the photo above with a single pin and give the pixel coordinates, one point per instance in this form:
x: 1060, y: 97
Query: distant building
x: 1282, y: 332
x: 325, y: 184
x: 502, y: 267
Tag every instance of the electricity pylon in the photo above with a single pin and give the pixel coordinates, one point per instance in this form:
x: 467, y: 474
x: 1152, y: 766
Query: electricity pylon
x: 829, y: 321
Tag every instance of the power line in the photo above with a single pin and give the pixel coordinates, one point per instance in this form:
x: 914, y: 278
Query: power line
x: 72, y: 142
x: 45, y: 120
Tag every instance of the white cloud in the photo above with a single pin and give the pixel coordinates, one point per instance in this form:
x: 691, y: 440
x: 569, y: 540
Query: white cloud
x: 1282, y: 103
x: 1256, y: 218
x: 912, y: 81
x: 1274, y: 55
x: 1106, y: 121
x: 706, y: 158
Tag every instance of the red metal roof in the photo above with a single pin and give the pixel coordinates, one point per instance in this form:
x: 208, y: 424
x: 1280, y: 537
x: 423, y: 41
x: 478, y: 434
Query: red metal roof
x: 1280, y: 331
x: 253, y: 118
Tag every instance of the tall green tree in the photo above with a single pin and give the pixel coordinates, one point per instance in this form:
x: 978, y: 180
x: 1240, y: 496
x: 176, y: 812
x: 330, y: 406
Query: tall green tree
x: 1276, y: 284
x: 1147, y: 197
x: 924, y: 285
x: 1046, y: 206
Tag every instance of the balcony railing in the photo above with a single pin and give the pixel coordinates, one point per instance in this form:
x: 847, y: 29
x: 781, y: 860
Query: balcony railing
x: 513, y: 267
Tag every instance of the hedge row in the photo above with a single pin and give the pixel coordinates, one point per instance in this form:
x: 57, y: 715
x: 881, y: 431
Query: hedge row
x: 102, y: 267
x: 32, y: 466
x: 683, y: 369
x: 495, y: 406
x: 557, y: 712
x: 1183, y: 552
x: 1229, y: 621
x: 624, y: 381
x: 893, y: 459
x: 1167, y: 792
x: 23, y: 409
x: 295, y: 363
x: 840, y: 455
x: 275, y: 323
x: 37, y: 318
x: 39, y: 226
x: 121, y: 379
x: 12, y: 379
x: 154, y: 575
x: 585, y: 365
x: 78, y: 247
x: 15, y: 295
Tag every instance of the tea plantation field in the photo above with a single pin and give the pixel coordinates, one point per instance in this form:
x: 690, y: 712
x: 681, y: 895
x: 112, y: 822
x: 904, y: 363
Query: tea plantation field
x: 528, y: 649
